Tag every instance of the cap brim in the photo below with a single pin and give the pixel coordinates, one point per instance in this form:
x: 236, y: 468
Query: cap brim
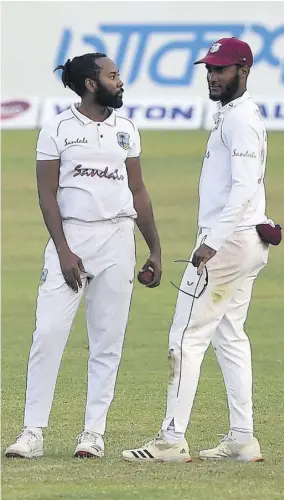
x: 214, y: 60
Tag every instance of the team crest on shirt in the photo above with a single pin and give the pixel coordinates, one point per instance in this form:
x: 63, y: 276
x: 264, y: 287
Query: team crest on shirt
x: 123, y: 140
x: 43, y: 277
x: 215, y: 47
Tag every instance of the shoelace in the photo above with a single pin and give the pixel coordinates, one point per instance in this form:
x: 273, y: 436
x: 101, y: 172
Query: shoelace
x: 153, y: 440
x: 87, y: 436
x: 225, y: 438
x: 29, y: 436
x: 223, y: 449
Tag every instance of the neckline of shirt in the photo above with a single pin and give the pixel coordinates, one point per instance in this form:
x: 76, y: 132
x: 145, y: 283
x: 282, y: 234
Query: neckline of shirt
x: 233, y: 104
x: 111, y: 120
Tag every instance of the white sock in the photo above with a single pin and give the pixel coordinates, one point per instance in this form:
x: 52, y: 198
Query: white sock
x: 171, y: 436
x: 241, y: 436
x: 35, y: 430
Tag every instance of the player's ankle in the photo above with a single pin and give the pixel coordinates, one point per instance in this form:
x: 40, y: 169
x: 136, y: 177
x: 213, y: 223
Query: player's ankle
x: 241, y: 436
x: 173, y: 437
x: 35, y: 430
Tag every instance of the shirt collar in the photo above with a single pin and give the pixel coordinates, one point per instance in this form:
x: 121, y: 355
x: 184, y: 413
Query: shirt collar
x: 111, y: 120
x: 233, y: 104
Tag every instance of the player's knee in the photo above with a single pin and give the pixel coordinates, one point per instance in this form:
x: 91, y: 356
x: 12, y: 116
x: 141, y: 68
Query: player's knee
x: 231, y: 343
x: 49, y: 337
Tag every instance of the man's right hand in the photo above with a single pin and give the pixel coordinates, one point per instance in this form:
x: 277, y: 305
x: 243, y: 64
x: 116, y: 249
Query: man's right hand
x: 71, y: 265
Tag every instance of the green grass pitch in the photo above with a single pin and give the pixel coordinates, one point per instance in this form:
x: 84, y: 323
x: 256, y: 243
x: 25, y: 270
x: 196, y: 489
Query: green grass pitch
x: 171, y: 165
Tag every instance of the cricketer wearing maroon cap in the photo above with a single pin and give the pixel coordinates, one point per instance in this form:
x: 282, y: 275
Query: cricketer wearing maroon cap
x: 230, y: 251
x: 228, y: 63
x: 228, y: 51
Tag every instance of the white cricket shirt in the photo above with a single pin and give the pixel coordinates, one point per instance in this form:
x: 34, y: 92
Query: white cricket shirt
x: 231, y: 188
x: 93, y: 182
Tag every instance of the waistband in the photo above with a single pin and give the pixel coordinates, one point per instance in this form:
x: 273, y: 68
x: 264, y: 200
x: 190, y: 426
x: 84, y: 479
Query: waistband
x: 115, y: 220
x: 243, y: 229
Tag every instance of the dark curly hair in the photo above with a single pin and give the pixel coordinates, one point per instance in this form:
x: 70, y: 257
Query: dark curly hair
x: 75, y: 72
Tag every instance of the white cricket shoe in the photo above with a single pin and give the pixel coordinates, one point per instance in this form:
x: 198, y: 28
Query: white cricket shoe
x: 229, y: 448
x: 159, y: 450
x: 29, y: 444
x: 90, y: 444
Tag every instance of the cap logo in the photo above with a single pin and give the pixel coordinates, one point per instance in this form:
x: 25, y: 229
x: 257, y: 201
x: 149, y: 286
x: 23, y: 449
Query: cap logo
x: 215, y: 48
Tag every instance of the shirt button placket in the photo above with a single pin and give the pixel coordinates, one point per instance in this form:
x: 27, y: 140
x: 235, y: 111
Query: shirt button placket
x: 100, y: 134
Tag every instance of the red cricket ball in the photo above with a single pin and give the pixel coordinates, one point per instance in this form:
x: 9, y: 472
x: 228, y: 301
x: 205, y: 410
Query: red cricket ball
x: 145, y: 277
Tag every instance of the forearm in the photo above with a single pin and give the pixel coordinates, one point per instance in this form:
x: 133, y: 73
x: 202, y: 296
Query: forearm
x: 53, y: 220
x: 145, y: 220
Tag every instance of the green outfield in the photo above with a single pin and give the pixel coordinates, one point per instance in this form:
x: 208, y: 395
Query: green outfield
x: 171, y: 164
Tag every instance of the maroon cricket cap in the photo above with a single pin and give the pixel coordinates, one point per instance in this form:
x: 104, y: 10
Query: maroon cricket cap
x: 228, y: 51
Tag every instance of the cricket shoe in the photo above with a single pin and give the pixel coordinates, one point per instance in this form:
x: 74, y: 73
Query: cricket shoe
x: 29, y: 444
x: 90, y: 445
x: 229, y: 448
x: 159, y: 450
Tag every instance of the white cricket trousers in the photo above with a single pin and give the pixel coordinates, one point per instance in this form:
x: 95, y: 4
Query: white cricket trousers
x: 217, y: 316
x: 107, y: 250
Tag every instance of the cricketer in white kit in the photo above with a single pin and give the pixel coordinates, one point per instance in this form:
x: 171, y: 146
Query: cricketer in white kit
x: 216, y: 288
x: 90, y: 190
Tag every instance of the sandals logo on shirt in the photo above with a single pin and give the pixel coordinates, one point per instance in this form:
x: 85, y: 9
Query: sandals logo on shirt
x: 123, y: 140
x: 244, y: 154
x: 67, y: 142
x: 95, y: 172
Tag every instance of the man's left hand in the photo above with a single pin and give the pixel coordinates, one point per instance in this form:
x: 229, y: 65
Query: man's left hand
x: 201, y: 256
x: 154, y: 262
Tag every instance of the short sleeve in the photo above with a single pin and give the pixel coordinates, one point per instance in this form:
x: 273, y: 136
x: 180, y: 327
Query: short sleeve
x: 46, y: 148
x: 135, y: 148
